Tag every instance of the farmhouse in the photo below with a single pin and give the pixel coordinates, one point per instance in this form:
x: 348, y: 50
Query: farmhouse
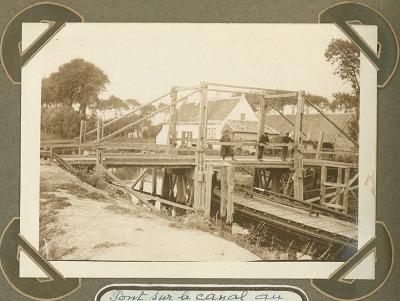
x: 218, y: 113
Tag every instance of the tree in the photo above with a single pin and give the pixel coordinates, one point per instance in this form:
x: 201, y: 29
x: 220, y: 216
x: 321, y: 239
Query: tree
x: 346, y: 56
x: 77, y: 82
x: 113, y: 103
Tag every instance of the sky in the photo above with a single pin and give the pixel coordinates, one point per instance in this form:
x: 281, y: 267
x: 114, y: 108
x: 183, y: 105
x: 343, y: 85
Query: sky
x: 144, y: 60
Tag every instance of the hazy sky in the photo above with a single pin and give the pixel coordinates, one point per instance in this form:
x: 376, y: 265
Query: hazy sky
x: 143, y: 61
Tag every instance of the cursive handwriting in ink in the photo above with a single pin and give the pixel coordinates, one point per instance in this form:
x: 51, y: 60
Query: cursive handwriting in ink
x: 119, y: 296
x: 269, y: 296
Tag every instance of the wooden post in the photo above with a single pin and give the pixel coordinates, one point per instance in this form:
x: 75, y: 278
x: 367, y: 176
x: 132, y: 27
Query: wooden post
x: 172, y: 119
x: 339, y: 189
x: 154, y: 182
x: 346, y: 190
x: 261, y: 121
x: 298, y: 144
x: 208, y: 193
x: 141, y: 184
x: 319, y: 146
x: 99, y: 157
x: 223, y: 199
x: 275, y: 181
x: 324, y: 173
x: 199, y: 181
x: 82, y: 135
x: 230, y: 181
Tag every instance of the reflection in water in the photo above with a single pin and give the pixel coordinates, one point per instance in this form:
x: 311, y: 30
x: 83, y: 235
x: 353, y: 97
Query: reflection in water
x: 129, y: 174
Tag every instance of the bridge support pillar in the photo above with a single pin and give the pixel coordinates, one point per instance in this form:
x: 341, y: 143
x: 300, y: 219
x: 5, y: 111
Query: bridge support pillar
x: 199, y: 174
x: 298, y: 144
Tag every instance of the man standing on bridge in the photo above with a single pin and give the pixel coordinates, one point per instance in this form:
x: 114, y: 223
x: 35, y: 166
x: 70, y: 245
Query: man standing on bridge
x: 226, y: 150
x: 285, y: 149
x: 262, y: 142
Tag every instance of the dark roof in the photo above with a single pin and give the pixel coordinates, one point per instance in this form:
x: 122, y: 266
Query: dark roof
x: 216, y: 110
x: 246, y: 126
x: 313, y: 125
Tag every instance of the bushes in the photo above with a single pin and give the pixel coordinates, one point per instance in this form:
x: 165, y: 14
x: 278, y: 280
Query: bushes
x: 62, y: 122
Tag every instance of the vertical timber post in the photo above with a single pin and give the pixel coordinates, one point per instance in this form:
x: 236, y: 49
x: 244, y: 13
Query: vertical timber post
x: 82, y: 135
x: 319, y: 145
x: 223, y: 198
x: 99, y: 155
x: 208, y: 193
x: 154, y: 182
x: 172, y: 120
x: 324, y: 173
x: 199, y: 181
x: 298, y: 154
x: 261, y: 121
x: 230, y: 181
x: 346, y: 190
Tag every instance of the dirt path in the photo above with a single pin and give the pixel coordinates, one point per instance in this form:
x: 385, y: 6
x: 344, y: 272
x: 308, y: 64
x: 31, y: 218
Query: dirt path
x: 80, y: 222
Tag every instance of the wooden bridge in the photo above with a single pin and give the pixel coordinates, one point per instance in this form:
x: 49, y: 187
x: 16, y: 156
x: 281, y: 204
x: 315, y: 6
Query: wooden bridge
x: 192, y: 179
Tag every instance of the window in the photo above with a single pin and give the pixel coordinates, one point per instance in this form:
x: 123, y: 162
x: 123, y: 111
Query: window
x: 242, y: 116
x: 187, y: 138
x: 211, y: 133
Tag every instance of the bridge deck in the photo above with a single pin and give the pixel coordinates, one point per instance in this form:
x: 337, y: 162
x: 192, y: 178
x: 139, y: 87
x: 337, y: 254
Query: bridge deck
x: 300, y: 216
x: 160, y: 160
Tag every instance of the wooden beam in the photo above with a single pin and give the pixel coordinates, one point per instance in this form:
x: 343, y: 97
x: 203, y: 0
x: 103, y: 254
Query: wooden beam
x: 154, y: 181
x: 346, y: 190
x: 208, y: 193
x: 146, y: 117
x: 319, y: 145
x: 331, y: 122
x: 199, y: 181
x: 82, y: 135
x: 230, y: 184
x: 298, y: 154
x: 223, y: 198
x: 126, y: 187
x: 324, y: 174
x: 261, y: 123
x: 141, y: 175
x: 172, y: 118
x: 131, y: 113
x: 99, y: 157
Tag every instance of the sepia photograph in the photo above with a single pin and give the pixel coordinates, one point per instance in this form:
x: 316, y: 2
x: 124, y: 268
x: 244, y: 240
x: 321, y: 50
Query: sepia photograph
x: 198, y: 143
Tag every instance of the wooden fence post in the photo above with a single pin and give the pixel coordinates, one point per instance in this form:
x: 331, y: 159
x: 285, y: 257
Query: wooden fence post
x: 319, y: 146
x: 99, y: 155
x: 346, y: 190
x: 324, y: 173
x: 223, y: 198
x: 82, y: 135
x: 208, y: 193
x: 154, y: 182
x: 229, y: 195
x: 298, y: 143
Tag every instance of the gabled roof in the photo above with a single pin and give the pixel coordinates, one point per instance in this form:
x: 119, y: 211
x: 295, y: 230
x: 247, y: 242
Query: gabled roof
x: 246, y: 126
x: 313, y: 125
x: 216, y: 110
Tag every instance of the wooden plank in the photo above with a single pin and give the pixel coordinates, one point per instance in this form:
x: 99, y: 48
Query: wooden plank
x: 298, y: 155
x: 223, y: 198
x: 261, y: 122
x: 230, y: 194
x: 338, y: 190
x: 324, y: 173
x: 319, y: 145
x: 208, y: 194
x: 141, y: 175
x: 346, y: 190
x: 154, y: 181
x: 126, y: 187
x: 332, y: 184
x: 172, y: 118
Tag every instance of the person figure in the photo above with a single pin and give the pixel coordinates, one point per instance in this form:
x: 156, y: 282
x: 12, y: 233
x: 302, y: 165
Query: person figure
x: 263, y: 141
x: 285, y: 149
x: 226, y: 150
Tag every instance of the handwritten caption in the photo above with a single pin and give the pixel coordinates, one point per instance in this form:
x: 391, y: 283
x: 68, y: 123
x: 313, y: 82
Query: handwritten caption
x: 244, y: 295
